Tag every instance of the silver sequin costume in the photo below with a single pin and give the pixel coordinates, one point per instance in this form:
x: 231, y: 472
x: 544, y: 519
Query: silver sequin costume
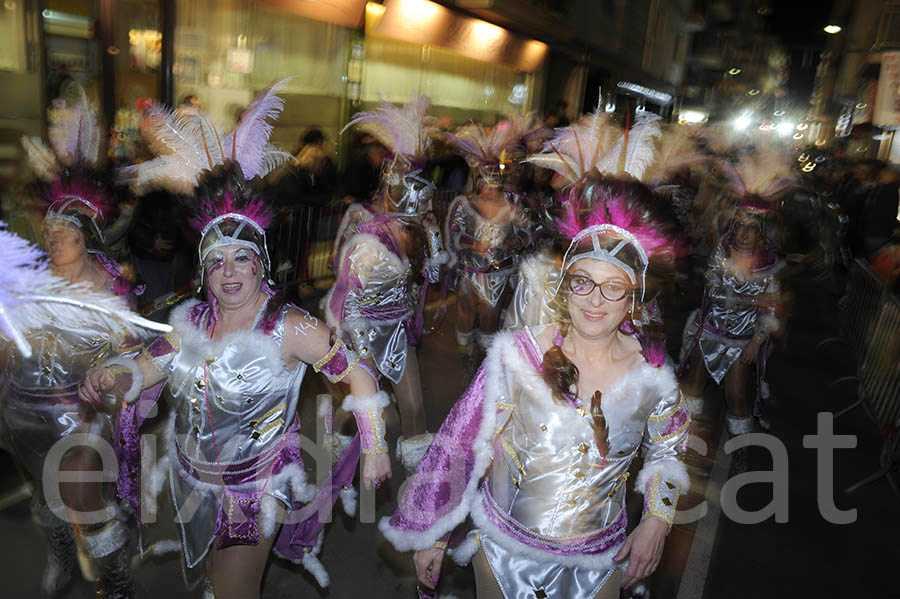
x: 252, y: 401
x: 729, y: 313
x: 549, y: 511
x: 487, y: 272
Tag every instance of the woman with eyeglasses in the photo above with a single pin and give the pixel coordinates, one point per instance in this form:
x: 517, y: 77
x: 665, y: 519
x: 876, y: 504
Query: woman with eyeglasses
x: 537, y: 451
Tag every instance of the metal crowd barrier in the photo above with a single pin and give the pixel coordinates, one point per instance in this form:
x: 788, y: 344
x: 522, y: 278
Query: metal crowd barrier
x: 871, y: 326
x: 302, y: 244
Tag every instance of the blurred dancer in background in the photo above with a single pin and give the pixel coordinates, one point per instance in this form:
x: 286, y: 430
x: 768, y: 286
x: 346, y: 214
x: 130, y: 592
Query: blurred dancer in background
x: 384, y: 252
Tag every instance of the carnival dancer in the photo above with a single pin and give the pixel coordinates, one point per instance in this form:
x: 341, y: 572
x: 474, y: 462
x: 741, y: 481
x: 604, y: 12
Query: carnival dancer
x: 40, y: 380
x: 537, y: 450
x: 234, y: 365
x: 485, y: 230
x: 528, y: 137
x: 390, y: 248
x: 727, y: 337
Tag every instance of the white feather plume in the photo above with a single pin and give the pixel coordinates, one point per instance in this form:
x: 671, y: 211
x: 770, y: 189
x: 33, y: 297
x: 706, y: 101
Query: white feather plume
x: 185, y: 146
x: 765, y: 173
x: 74, y: 133
x: 74, y: 129
x: 31, y: 296
x: 407, y: 130
x: 248, y: 144
x: 592, y: 143
x: 641, y: 150
x: 188, y: 145
x: 41, y: 158
x: 480, y: 145
x: 676, y: 150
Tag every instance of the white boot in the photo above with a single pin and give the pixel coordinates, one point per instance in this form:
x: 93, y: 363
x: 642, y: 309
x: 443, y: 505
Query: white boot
x: 484, y: 341
x: 464, y: 339
x: 739, y: 426
x: 694, y: 404
x: 411, y: 451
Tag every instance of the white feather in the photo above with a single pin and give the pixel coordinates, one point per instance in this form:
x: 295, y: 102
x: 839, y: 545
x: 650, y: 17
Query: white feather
x: 41, y: 158
x: 31, y: 296
x: 641, y: 151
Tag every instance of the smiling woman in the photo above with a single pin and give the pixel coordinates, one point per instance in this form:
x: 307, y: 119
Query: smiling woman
x: 537, y: 450
x: 234, y: 366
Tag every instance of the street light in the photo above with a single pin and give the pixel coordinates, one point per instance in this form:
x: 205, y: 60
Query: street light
x: 833, y: 29
x: 742, y: 122
x: 692, y: 117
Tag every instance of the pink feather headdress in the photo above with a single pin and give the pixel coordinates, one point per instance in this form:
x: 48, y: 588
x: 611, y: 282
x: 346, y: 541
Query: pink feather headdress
x: 217, y: 174
x: 75, y: 192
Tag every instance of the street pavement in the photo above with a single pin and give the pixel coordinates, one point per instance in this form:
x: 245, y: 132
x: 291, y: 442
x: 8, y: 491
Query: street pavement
x: 711, y: 558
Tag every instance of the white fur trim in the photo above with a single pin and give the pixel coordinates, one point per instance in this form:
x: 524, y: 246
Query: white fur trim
x: 466, y: 550
x: 349, y: 499
x: 670, y: 470
x: 411, y: 451
x: 137, y: 377
x: 311, y: 563
x: 324, y: 407
x: 638, y: 393
x: 314, y: 566
x: 693, y: 404
x: 197, y: 341
x: 368, y: 403
x: 601, y: 561
x: 407, y: 541
x: 268, y: 516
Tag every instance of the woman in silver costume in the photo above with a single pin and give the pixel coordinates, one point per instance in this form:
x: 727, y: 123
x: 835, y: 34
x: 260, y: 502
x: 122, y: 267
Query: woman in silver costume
x: 537, y: 450
x: 234, y: 365
x: 390, y: 252
x: 38, y: 396
x: 726, y: 339
x: 485, y: 231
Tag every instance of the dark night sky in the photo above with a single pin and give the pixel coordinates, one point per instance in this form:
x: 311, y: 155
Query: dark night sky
x: 799, y: 27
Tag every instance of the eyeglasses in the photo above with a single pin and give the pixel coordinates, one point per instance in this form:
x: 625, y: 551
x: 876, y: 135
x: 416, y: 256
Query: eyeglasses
x: 611, y: 291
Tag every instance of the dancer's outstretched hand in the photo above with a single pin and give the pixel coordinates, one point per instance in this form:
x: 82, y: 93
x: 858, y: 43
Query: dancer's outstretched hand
x: 428, y: 566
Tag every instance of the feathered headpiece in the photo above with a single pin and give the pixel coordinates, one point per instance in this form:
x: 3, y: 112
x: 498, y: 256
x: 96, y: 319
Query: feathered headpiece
x: 676, y: 150
x: 407, y: 131
x: 527, y: 131
x: 760, y: 177
x: 30, y: 295
x: 614, y: 222
x: 595, y: 146
x: 74, y: 190
x: 190, y: 145
x: 217, y: 172
x: 485, y: 149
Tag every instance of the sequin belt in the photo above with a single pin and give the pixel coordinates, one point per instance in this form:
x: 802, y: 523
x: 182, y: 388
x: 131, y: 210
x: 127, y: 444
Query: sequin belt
x: 591, y: 544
